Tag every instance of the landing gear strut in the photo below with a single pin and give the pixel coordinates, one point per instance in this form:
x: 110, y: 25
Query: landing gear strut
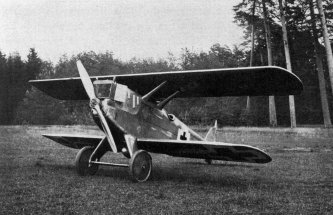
x: 140, y: 164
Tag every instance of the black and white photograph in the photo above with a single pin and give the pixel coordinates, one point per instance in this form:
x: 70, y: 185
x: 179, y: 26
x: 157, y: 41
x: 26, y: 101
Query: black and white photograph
x: 166, y: 107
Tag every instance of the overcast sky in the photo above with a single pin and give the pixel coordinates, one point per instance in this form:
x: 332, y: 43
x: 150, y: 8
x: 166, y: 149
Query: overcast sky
x: 128, y: 28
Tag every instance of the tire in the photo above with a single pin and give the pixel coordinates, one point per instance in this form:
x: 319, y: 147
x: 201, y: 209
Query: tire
x: 82, y: 162
x: 140, y: 166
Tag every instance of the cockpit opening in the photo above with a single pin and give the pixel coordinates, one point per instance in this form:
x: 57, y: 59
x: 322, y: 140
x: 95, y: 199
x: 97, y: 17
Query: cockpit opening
x: 102, y: 88
x: 118, y: 95
x: 107, y: 89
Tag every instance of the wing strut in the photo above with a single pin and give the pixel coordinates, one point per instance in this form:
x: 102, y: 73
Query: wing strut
x: 151, y: 93
x: 161, y: 104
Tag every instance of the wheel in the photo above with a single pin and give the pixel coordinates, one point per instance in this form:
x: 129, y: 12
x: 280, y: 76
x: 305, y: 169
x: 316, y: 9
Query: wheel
x: 82, y: 162
x: 208, y: 161
x: 140, y: 166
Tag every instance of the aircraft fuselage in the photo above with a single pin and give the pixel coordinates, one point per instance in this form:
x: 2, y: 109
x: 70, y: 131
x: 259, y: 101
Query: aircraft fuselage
x: 130, y: 114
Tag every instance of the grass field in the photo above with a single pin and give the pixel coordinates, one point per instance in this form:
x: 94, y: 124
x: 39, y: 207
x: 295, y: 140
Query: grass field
x: 37, y: 176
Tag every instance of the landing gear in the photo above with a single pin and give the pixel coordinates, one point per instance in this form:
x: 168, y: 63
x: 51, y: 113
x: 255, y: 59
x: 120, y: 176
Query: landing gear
x: 140, y: 166
x: 82, y: 162
x: 208, y: 161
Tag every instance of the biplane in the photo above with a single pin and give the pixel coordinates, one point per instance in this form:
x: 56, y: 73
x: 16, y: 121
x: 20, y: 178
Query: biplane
x: 129, y: 109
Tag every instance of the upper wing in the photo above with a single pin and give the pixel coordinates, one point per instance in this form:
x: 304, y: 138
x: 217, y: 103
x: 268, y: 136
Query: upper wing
x: 205, y: 150
x: 252, y: 81
x: 75, y: 141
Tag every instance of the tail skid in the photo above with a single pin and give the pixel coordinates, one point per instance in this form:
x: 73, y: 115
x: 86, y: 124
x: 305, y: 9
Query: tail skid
x: 211, y: 134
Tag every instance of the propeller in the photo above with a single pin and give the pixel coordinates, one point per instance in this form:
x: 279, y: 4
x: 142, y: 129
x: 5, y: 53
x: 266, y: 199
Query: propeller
x: 89, y: 87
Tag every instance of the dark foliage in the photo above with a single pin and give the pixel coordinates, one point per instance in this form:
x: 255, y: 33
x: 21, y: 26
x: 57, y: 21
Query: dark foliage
x: 14, y: 77
x: 38, y: 108
x: 308, y: 109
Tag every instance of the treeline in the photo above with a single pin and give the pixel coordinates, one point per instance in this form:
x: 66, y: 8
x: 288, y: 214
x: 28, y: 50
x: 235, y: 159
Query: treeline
x: 306, y: 49
x: 38, y: 108
x: 14, y: 77
x: 21, y: 104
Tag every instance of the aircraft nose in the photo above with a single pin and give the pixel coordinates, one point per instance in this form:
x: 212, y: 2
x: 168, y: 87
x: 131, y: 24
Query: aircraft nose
x: 108, y: 108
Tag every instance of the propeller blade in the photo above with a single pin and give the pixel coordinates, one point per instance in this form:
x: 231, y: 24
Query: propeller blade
x: 86, y: 81
x: 89, y: 87
x: 106, y: 129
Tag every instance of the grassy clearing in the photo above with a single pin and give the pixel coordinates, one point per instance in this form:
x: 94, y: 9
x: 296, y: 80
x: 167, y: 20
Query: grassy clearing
x: 37, y: 176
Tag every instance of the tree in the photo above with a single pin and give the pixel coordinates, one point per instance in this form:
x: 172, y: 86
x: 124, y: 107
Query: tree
x: 33, y: 66
x: 227, y: 110
x: 329, y: 54
x: 38, y: 108
x: 14, y: 75
x: 248, y: 99
x: 319, y: 62
x: 4, y: 79
x: 288, y: 61
x: 272, y: 108
x: 15, y: 82
x: 301, y: 51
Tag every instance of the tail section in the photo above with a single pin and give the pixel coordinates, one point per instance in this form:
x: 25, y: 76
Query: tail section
x: 211, y: 134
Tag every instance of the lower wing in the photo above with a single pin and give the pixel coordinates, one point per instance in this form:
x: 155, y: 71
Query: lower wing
x: 75, y: 141
x: 205, y: 150
x: 190, y: 149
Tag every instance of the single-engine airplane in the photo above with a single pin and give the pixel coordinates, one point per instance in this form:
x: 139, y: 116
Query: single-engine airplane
x: 129, y: 109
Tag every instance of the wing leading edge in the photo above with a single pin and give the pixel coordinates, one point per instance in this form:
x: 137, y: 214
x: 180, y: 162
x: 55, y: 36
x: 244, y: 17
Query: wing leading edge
x: 205, y: 150
x: 75, y: 141
x: 247, y: 81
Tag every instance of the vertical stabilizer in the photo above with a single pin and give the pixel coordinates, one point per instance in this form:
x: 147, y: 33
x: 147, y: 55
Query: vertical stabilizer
x: 211, y: 134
